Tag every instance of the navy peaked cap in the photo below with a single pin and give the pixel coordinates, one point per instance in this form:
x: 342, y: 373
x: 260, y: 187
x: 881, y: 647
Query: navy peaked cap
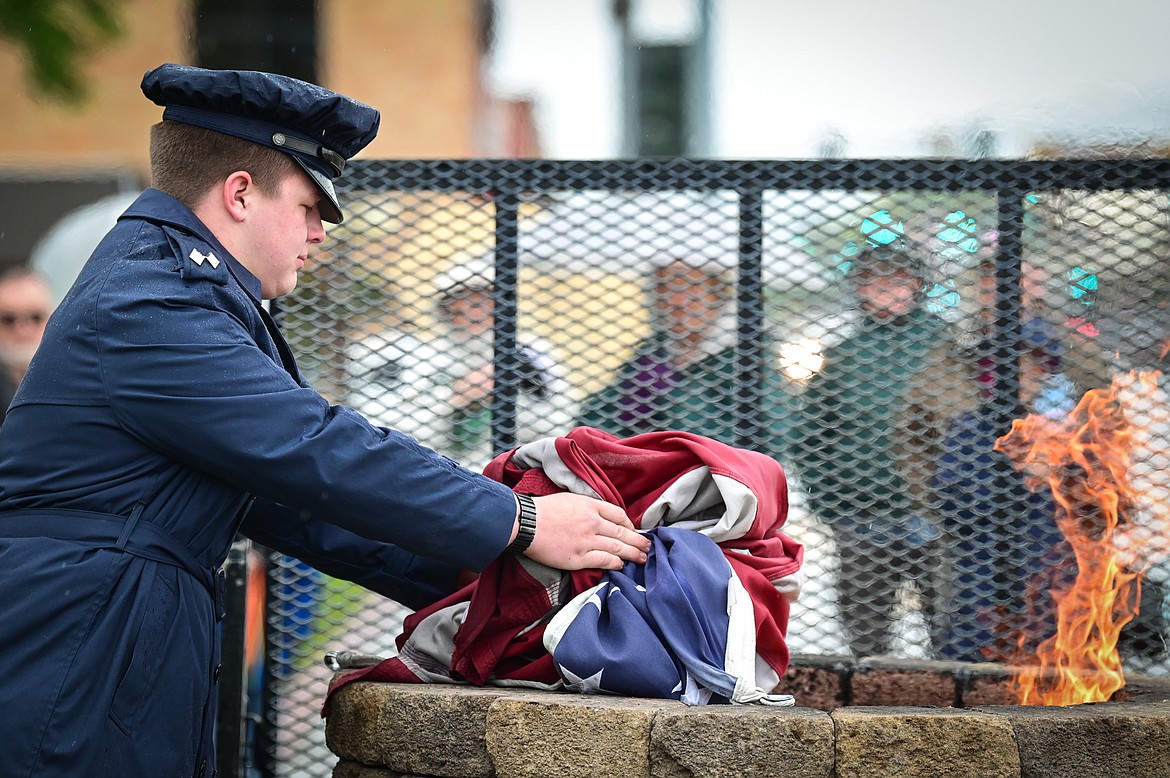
x: 318, y: 128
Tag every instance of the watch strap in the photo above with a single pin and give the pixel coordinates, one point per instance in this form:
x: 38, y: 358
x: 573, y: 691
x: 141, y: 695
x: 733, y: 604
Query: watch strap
x: 527, y: 532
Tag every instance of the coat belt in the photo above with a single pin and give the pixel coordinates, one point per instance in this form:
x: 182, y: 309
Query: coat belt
x: 107, y: 530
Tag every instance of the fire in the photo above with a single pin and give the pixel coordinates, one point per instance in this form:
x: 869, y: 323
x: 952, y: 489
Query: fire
x: 1086, y: 460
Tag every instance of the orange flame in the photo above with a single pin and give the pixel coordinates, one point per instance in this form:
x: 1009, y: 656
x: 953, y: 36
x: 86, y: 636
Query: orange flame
x: 1085, y: 460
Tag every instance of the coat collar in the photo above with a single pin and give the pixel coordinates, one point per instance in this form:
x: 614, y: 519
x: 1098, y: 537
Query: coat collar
x: 159, y: 207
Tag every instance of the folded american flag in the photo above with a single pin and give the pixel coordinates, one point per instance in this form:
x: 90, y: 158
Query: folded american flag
x: 703, y: 620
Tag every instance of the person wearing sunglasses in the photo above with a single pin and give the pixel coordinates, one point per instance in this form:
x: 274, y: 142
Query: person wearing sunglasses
x: 25, y: 304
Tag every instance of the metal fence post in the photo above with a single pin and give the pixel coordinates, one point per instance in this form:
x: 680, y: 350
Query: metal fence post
x: 750, y: 317
x: 230, y: 730
x: 505, y: 292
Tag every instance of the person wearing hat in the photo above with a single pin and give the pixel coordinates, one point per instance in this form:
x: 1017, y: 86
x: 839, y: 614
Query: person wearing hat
x: 864, y: 440
x: 440, y: 390
x: 164, y: 412
x: 990, y: 513
x: 992, y: 516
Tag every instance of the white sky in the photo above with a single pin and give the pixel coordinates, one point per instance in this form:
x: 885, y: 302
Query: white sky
x: 884, y: 75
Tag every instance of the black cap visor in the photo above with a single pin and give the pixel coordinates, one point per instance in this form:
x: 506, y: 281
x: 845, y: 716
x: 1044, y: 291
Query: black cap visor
x: 330, y: 207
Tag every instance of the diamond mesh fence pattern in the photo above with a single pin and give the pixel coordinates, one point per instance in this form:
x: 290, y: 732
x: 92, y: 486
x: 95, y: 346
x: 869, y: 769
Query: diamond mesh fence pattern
x: 877, y: 326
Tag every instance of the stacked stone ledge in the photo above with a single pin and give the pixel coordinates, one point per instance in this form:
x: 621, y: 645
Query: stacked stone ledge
x: 859, y: 719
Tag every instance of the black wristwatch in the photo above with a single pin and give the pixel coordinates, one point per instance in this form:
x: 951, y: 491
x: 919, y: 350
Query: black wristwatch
x: 527, y: 531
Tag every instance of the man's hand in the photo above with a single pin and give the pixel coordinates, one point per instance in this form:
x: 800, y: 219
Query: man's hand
x: 575, y: 532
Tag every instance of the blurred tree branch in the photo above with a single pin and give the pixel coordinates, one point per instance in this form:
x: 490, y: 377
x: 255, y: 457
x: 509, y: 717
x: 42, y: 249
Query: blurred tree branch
x: 54, y: 36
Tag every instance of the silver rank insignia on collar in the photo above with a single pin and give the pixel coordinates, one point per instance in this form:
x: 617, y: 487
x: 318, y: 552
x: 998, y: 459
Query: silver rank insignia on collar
x: 202, y: 267
x: 199, y: 258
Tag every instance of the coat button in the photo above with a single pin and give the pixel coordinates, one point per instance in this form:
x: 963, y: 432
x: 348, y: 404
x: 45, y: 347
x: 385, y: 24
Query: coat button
x: 218, y: 672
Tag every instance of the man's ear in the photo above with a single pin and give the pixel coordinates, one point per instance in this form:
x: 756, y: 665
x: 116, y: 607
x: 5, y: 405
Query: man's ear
x: 237, y: 194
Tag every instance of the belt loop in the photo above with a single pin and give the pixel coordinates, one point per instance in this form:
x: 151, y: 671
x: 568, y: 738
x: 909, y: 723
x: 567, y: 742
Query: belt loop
x: 128, y: 528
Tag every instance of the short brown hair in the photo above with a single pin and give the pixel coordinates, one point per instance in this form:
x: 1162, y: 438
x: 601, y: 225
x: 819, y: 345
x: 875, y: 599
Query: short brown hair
x: 186, y: 161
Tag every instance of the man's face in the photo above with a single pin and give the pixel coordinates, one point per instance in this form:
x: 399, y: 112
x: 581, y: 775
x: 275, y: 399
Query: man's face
x: 1034, y: 287
x: 886, y: 294
x: 282, y: 229
x: 469, y: 311
x: 688, y: 298
x: 25, y: 304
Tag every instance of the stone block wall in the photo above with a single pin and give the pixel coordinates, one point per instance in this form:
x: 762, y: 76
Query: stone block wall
x: 871, y: 718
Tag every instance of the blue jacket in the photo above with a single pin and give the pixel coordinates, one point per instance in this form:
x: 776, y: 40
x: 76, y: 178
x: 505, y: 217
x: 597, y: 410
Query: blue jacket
x: 162, y: 414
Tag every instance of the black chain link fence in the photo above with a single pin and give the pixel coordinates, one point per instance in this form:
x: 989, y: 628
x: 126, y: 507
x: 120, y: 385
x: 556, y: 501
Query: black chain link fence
x: 876, y: 325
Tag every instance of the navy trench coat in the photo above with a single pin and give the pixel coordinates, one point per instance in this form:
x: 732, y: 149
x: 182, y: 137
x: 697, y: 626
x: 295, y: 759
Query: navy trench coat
x: 162, y: 414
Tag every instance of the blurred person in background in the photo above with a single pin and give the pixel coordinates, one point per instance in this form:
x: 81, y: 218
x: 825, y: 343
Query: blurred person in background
x: 1003, y: 533
x: 865, y: 439
x: 25, y: 305
x: 683, y: 375
x: 1051, y: 292
x: 441, y: 390
x: 1143, y: 533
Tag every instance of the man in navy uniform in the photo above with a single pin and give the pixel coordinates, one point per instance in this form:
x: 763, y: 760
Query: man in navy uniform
x: 164, y: 412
